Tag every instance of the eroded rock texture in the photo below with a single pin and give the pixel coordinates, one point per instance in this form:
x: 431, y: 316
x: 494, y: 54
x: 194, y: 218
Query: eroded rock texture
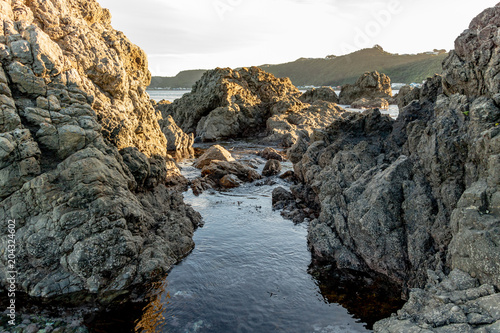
x: 82, y: 157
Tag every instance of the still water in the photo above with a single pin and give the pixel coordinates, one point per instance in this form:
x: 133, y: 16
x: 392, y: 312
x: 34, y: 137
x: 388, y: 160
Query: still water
x: 248, y: 272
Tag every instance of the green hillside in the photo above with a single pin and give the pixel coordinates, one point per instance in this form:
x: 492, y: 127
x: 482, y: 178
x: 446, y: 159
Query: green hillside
x: 184, y: 79
x: 336, y: 71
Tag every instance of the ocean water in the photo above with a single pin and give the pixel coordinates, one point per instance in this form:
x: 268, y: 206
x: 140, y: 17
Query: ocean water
x: 171, y: 95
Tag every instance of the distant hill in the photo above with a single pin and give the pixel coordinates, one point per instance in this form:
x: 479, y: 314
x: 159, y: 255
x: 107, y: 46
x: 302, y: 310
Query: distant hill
x: 184, y: 79
x: 336, y: 71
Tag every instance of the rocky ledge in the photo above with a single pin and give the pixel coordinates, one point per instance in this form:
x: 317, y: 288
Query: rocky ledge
x: 421, y: 193
x: 83, y: 164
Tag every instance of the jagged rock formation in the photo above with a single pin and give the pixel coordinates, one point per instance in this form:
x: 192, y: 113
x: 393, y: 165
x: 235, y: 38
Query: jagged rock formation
x: 454, y: 303
x: 326, y: 94
x: 369, y: 85
x: 82, y: 158
x: 471, y: 69
x: 406, y: 95
x: 176, y: 138
x: 178, y: 141
x: 229, y: 103
x: 422, y: 192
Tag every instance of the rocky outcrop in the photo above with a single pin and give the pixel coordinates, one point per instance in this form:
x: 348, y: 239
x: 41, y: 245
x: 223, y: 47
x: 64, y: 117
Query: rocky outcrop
x: 369, y: 85
x: 286, y: 128
x: 472, y: 68
x: 83, y: 166
x: 326, y: 94
x: 454, y: 303
x: 228, y: 103
x: 420, y: 193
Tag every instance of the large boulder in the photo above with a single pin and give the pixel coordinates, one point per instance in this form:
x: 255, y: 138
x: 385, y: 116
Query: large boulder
x: 214, y: 153
x: 326, y: 94
x: 247, y: 102
x: 369, y: 85
x: 83, y: 166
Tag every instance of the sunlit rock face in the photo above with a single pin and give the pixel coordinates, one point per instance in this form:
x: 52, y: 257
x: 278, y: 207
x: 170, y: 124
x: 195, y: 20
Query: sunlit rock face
x: 83, y: 163
x: 419, y: 194
x: 248, y: 102
x: 369, y: 85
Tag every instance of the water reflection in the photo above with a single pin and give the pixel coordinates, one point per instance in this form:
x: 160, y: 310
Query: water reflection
x: 153, y: 314
x: 368, y: 297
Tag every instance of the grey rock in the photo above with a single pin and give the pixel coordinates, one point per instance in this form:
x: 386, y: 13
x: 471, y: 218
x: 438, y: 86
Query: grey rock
x: 25, y: 79
x: 326, y: 94
x: 272, y: 168
x: 176, y: 138
x: 270, y: 153
x: 369, y: 85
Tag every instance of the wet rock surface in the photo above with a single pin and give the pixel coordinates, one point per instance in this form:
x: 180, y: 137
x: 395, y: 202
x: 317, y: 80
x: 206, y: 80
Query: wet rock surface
x: 272, y: 168
x: 83, y: 165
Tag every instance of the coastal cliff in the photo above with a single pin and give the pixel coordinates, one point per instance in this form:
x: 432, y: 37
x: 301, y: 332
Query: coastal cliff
x: 417, y: 198
x: 83, y: 165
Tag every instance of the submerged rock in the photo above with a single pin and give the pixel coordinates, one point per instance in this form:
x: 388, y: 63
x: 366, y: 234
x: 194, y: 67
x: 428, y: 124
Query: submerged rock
x: 218, y: 169
x: 83, y: 166
x: 369, y: 85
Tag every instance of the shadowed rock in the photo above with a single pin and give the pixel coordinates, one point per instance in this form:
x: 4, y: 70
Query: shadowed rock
x: 83, y: 166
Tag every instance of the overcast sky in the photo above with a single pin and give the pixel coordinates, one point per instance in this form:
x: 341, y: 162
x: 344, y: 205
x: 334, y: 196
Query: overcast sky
x: 203, y: 34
